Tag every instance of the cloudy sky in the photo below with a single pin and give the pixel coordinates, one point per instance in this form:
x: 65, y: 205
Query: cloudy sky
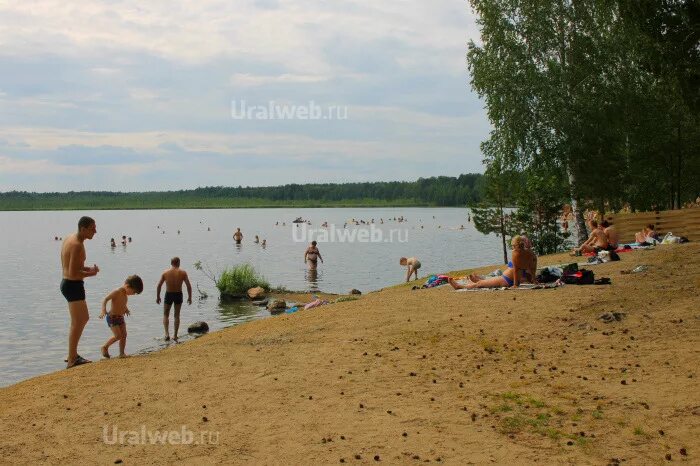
x: 131, y: 95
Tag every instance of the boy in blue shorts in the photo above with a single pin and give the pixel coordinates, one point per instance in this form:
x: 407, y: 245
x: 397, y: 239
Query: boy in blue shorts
x: 115, y: 317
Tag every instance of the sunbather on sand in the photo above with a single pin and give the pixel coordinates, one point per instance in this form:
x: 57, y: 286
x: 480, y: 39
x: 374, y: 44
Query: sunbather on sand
x: 522, y: 268
x: 647, y: 232
x: 611, y: 233
x: 597, y: 241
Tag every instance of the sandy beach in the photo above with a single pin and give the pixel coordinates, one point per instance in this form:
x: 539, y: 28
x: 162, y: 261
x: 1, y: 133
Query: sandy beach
x: 401, y: 376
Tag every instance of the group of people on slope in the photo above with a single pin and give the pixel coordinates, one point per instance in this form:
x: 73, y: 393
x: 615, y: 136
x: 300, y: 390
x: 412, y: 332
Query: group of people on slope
x: 72, y: 287
x: 603, y: 237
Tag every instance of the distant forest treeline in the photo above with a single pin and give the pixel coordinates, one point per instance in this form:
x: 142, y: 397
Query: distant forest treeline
x: 441, y: 191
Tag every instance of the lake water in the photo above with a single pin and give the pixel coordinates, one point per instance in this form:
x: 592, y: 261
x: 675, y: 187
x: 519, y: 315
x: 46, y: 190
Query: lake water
x: 33, y: 336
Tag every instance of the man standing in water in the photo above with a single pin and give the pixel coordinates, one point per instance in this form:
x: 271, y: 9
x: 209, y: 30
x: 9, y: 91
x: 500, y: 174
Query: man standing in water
x: 173, y: 279
x: 72, y: 286
x: 238, y: 236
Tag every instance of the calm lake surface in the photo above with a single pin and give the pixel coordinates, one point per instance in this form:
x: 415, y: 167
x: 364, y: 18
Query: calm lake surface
x: 33, y: 336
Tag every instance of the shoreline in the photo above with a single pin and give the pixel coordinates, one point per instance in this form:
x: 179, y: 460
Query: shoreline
x: 512, y: 376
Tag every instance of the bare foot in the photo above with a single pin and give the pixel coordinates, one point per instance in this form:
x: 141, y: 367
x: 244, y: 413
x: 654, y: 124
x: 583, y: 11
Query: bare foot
x: 124, y: 355
x: 454, y: 284
x: 105, y: 352
x: 475, y: 278
x: 167, y: 338
x: 175, y: 338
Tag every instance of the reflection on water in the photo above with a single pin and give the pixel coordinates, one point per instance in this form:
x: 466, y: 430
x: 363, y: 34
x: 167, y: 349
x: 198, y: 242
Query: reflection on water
x: 231, y: 313
x: 313, y: 278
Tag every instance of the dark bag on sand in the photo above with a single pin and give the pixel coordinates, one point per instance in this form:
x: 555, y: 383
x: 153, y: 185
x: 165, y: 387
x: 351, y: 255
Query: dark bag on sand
x: 614, y: 256
x: 582, y: 277
x: 546, y: 276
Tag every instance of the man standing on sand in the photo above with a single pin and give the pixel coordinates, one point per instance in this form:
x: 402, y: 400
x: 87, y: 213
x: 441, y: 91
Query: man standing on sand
x: 238, y: 236
x: 173, y: 279
x: 72, y: 286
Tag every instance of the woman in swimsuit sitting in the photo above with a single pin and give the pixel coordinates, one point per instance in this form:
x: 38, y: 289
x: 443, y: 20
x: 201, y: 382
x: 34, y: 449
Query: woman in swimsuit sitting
x: 522, y: 268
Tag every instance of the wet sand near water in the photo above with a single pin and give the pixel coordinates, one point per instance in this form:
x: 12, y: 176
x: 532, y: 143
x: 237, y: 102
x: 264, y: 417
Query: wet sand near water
x: 403, y: 376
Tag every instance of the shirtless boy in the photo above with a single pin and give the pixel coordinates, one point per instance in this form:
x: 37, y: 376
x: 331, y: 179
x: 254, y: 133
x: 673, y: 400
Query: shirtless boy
x: 413, y: 266
x: 72, y: 286
x: 115, y: 317
x: 173, y: 279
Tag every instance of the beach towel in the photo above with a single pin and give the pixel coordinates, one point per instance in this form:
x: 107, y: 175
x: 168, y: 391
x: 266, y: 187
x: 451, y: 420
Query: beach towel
x: 435, y: 280
x: 524, y: 286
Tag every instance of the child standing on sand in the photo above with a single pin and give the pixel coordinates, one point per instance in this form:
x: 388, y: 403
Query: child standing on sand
x: 115, y: 317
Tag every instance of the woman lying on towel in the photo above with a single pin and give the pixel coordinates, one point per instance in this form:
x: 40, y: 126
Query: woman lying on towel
x: 522, y: 268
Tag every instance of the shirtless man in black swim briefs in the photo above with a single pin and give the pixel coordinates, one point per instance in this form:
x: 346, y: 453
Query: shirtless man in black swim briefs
x: 173, y: 278
x: 72, y: 287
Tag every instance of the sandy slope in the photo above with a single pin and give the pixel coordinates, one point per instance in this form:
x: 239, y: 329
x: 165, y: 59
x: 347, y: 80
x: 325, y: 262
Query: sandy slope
x: 506, y: 377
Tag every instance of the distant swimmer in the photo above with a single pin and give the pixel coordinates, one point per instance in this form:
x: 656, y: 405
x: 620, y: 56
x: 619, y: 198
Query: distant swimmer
x: 173, y: 278
x: 113, y: 243
x: 238, y: 236
x: 413, y: 266
x: 123, y: 240
x: 312, y: 255
x: 208, y: 229
x: 257, y: 239
x: 72, y: 286
x: 264, y: 243
x: 129, y: 239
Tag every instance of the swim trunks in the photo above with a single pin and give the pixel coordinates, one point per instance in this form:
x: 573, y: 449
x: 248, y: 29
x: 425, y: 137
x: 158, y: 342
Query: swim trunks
x: 114, y: 321
x: 173, y: 297
x: 416, y: 265
x: 73, y: 290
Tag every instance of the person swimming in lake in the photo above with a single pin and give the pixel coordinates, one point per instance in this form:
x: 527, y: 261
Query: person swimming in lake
x: 238, y: 236
x: 256, y: 240
x: 412, y: 265
x: 264, y: 243
x: 523, y: 267
x: 113, y: 243
x: 115, y: 317
x: 312, y: 255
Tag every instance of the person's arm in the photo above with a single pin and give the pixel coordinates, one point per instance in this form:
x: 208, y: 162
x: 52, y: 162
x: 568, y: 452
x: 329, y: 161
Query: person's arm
x: 160, y: 285
x: 408, y: 273
x: 104, y: 303
x: 306, y: 253
x: 189, y: 289
x: 319, y: 255
x: 76, y: 264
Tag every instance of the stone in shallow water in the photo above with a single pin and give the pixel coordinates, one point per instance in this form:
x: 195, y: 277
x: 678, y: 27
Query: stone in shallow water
x: 277, y: 304
x: 256, y: 293
x: 198, y: 327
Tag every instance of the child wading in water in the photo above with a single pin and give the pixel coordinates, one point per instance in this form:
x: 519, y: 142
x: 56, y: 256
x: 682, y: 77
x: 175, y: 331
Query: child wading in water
x: 115, y: 317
